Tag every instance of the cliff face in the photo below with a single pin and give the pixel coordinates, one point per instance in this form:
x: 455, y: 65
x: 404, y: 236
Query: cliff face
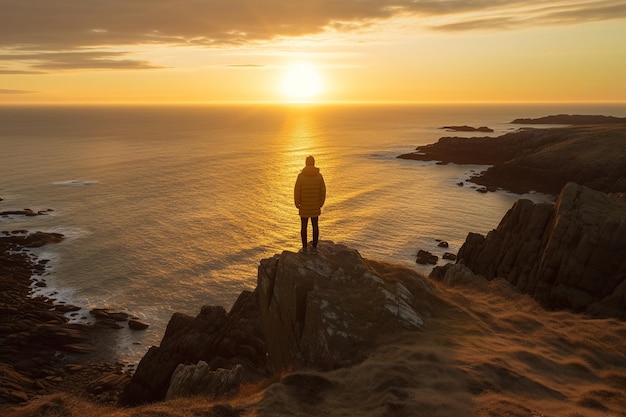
x: 568, y: 255
x: 324, y: 311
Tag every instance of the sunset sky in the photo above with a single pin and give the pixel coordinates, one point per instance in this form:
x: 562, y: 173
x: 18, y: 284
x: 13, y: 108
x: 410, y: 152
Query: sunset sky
x: 195, y: 51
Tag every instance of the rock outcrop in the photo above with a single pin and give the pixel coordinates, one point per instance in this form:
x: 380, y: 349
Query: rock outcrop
x: 324, y: 311
x: 542, y: 160
x: 319, y: 311
x: 570, y: 255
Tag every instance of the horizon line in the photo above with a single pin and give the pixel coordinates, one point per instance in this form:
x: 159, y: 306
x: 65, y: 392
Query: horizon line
x: 303, y: 103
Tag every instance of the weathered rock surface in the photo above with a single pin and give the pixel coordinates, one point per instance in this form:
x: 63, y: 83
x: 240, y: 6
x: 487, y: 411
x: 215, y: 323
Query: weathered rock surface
x: 571, y: 254
x: 313, y: 310
x: 543, y: 160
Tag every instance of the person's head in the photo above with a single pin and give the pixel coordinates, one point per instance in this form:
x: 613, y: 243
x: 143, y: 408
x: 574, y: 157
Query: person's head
x: 310, y: 161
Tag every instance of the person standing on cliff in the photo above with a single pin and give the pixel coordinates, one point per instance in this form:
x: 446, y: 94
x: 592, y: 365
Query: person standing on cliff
x: 309, y: 195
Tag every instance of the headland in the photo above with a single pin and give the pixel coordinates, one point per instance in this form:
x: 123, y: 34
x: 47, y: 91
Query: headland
x: 541, y: 160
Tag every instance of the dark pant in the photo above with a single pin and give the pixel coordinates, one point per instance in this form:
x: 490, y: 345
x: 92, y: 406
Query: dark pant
x: 304, y: 222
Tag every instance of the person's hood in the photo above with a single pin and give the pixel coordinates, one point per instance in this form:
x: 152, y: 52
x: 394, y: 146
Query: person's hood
x: 310, y: 170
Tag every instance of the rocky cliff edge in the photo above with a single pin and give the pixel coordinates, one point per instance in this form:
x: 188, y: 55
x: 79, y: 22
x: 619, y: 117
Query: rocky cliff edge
x: 320, y: 311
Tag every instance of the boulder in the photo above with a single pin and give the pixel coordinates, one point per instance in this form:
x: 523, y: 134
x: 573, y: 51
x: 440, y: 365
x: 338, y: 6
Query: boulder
x: 137, y: 324
x: 426, y: 258
x: 449, y: 256
x: 571, y: 254
x: 326, y: 311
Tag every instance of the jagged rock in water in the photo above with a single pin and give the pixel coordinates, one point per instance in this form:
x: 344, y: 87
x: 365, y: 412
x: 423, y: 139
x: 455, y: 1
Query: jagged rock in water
x: 571, y: 254
x: 426, y: 258
x: 137, y: 324
x: 323, y: 311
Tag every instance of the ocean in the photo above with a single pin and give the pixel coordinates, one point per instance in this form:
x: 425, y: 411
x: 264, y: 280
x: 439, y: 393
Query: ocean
x: 168, y: 208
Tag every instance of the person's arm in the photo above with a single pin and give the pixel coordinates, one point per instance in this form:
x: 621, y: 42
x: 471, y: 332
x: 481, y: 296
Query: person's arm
x: 322, y: 191
x: 297, y: 193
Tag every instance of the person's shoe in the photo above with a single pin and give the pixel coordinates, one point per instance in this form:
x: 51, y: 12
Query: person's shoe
x: 314, y: 250
x: 303, y: 251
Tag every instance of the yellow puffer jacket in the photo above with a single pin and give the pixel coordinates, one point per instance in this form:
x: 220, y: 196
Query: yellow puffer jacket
x: 309, y: 193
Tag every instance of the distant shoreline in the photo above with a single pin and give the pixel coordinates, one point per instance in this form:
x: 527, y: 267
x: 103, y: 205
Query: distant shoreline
x: 572, y: 119
x: 541, y: 160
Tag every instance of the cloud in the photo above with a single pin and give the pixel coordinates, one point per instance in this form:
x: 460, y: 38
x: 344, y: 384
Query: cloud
x: 18, y: 72
x: 551, y: 13
x: 54, y: 61
x: 6, y: 91
x: 68, y: 27
x: 69, y: 24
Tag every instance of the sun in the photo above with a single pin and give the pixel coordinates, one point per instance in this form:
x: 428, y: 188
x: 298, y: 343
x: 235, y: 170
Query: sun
x: 301, y: 82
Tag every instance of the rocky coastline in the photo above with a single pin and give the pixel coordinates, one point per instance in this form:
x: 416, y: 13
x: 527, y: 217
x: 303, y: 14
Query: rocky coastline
x: 542, y: 160
x: 41, y: 352
x: 319, y: 324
